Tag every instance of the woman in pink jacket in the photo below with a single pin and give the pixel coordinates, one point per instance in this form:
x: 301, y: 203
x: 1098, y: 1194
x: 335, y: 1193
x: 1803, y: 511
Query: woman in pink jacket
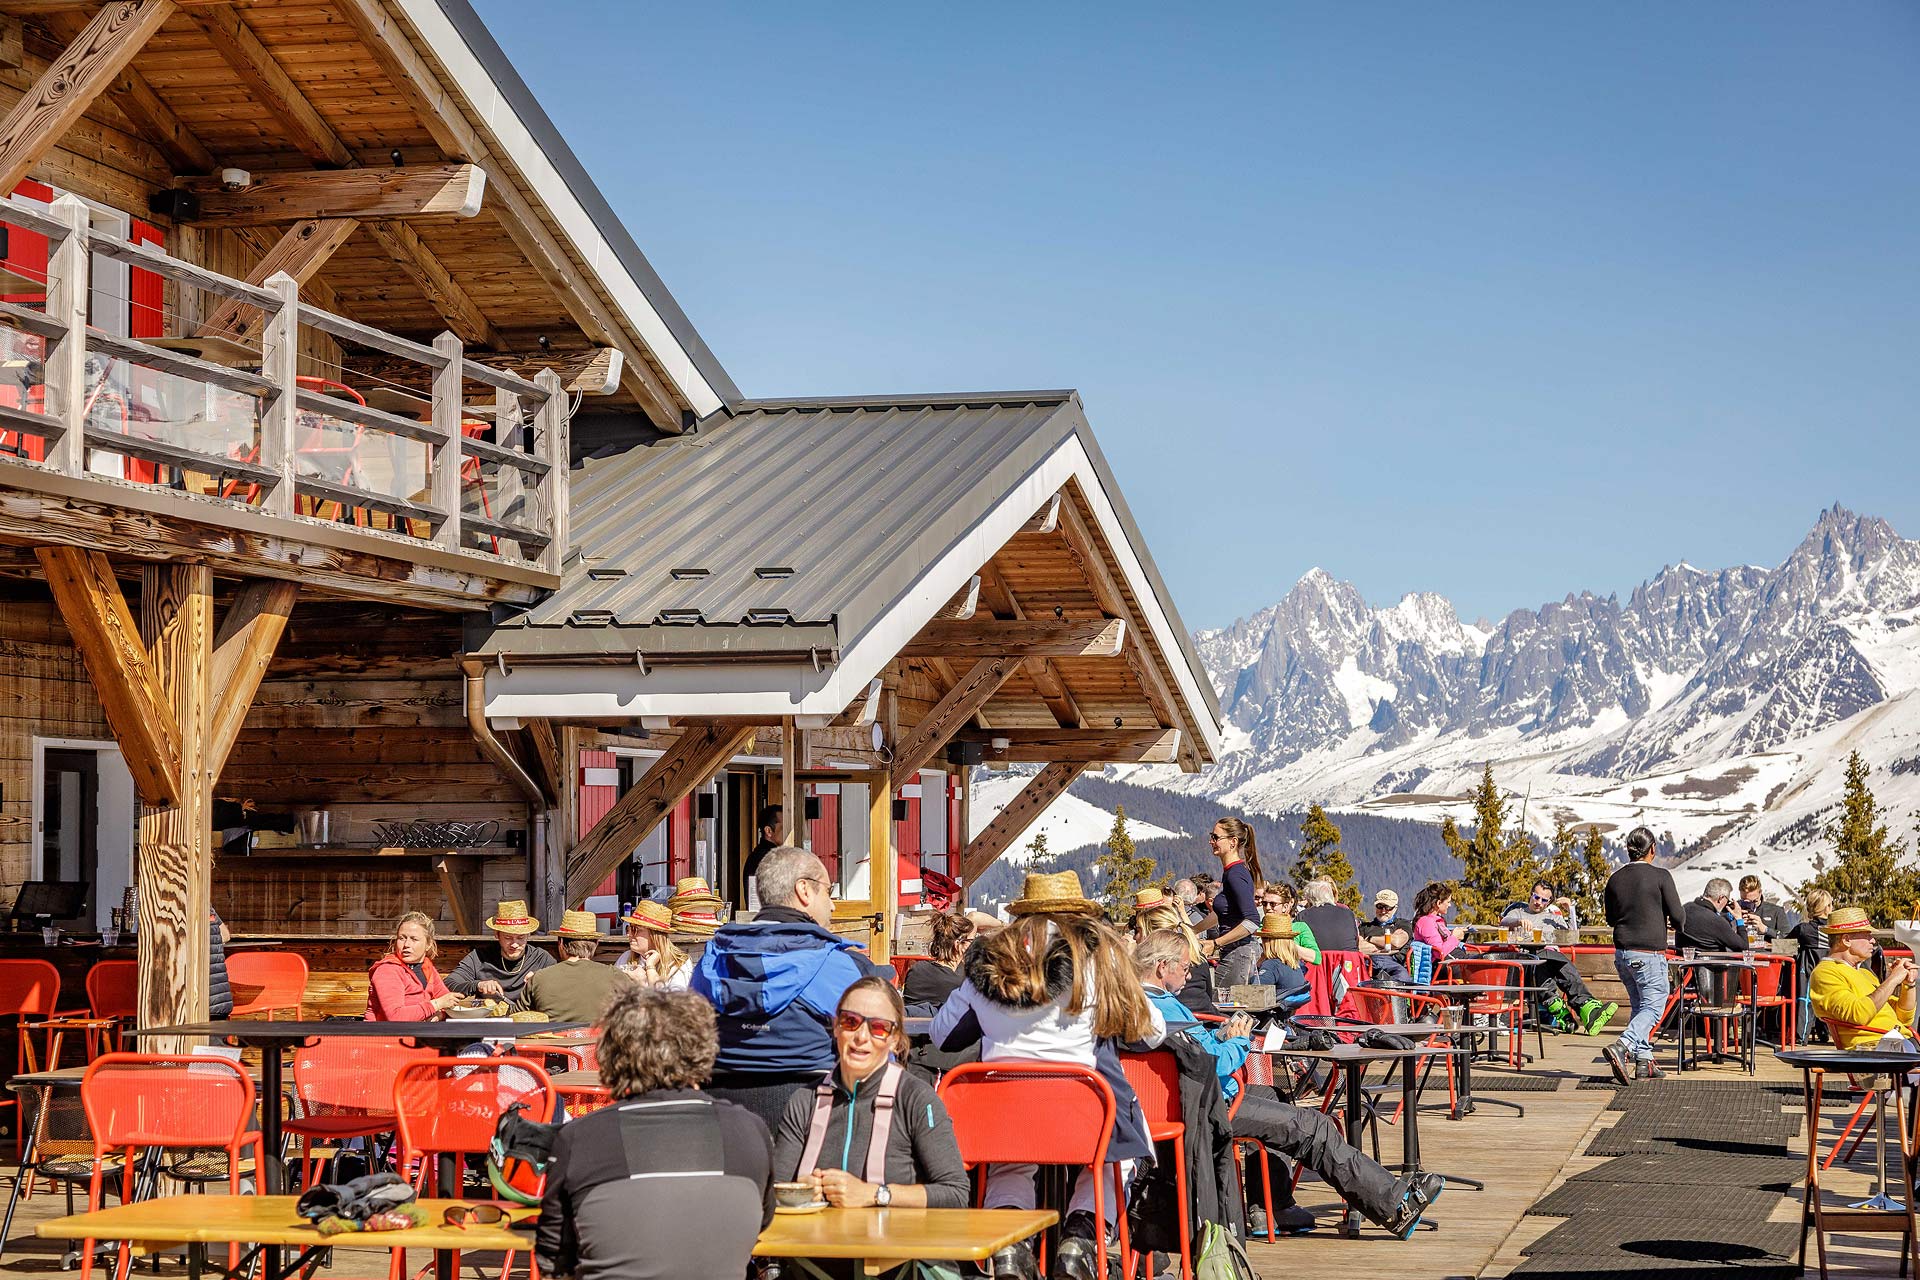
x: 1430, y: 907
x: 403, y: 985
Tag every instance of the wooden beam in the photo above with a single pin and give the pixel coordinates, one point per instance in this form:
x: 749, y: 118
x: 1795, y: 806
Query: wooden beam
x: 790, y: 809
x: 88, y: 595
x: 950, y: 714
x: 13, y: 42
x: 432, y: 278
x: 592, y: 372
x: 452, y: 190
x: 242, y: 651
x: 69, y: 86
x: 551, y: 769
x: 300, y: 253
x: 145, y: 109
x: 272, y: 87
x: 1044, y: 675
x: 691, y: 760
x: 1095, y: 638
x: 176, y: 840
x: 1089, y: 746
x: 1012, y: 822
x: 461, y: 881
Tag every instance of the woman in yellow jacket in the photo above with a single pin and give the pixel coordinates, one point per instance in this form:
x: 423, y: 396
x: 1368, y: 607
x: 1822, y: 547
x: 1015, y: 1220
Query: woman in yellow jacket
x: 1859, y: 1008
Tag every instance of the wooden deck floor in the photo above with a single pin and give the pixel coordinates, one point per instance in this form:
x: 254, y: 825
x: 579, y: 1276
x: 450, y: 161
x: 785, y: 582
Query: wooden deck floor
x: 1477, y: 1233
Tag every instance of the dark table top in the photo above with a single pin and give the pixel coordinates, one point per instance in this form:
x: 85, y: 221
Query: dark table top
x: 1350, y: 1053
x: 1461, y: 988
x: 449, y: 1031
x: 1862, y: 1060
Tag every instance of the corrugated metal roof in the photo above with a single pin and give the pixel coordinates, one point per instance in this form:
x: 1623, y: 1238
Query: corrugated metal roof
x: 764, y: 529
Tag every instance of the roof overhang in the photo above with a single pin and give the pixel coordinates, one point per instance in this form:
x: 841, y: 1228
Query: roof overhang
x: 742, y: 687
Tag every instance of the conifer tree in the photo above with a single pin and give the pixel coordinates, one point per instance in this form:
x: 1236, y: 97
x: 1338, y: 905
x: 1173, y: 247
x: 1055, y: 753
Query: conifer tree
x: 1592, y: 898
x: 1495, y: 868
x: 1564, y: 870
x: 1040, y: 859
x: 1869, y: 867
x: 1123, y: 872
x: 1320, y: 856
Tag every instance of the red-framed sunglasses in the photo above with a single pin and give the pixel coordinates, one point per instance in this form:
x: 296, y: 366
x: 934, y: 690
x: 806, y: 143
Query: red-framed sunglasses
x: 881, y: 1028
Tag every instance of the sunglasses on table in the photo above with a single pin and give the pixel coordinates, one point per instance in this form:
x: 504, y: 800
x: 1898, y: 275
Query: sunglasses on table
x: 459, y: 1215
x: 849, y: 1021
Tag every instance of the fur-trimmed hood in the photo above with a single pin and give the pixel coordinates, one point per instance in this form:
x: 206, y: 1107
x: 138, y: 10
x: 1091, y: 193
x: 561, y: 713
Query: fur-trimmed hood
x: 994, y: 979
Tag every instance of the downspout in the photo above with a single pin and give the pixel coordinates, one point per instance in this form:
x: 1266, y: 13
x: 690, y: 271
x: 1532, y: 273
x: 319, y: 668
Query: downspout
x: 546, y: 892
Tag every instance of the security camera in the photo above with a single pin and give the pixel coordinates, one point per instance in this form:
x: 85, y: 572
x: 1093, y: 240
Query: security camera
x: 235, y: 179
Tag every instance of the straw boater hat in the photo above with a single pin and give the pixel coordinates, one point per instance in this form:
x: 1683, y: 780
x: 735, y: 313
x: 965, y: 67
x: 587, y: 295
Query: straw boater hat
x: 695, y: 924
x: 691, y: 894
x: 578, y: 924
x: 1849, y: 920
x: 1271, y: 926
x: 1150, y: 898
x: 650, y: 915
x: 511, y: 917
x: 1057, y: 894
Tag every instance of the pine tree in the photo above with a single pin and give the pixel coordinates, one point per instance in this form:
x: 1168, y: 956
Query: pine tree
x: 1123, y: 872
x: 1040, y: 859
x: 1870, y: 867
x: 1564, y: 871
x: 1592, y: 898
x: 1495, y: 868
x: 1320, y: 856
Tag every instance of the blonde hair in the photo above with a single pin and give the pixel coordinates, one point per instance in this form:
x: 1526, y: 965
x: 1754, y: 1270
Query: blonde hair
x: 1819, y: 902
x: 667, y: 957
x: 1168, y: 916
x: 1102, y: 970
x: 1283, y: 949
x: 425, y: 922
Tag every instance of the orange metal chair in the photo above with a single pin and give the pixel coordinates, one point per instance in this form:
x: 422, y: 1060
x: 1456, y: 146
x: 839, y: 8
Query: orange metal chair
x: 449, y: 1106
x: 1504, y: 1008
x: 1155, y: 1078
x: 1014, y: 1112
x: 113, y: 994
x: 1771, y: 990
x: 343, y: 1088
x: 28, y: 989
x: 267, y: 983
x: 1376, y: 1006
x: 136, y: 1101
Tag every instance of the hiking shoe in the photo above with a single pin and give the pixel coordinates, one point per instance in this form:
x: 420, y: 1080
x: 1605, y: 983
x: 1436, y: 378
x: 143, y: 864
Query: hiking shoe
x: 1594, y: 1016
x: 1288, y: 1220
x: 1016, y: 1261
x: 1616, y: 1057
x: 1650, y: 1070
x: 1422, y: 1189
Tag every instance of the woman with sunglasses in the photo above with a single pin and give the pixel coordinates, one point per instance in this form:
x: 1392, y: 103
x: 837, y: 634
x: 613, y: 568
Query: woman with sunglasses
x: 830, y: 1135
x: 1233, y: 947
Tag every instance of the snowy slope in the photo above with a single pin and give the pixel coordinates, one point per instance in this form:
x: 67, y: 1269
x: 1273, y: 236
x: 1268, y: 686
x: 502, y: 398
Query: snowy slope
x: 1069, y: 822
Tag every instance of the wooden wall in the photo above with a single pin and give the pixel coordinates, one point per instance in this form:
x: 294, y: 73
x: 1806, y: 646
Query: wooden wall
x: 44, y: 692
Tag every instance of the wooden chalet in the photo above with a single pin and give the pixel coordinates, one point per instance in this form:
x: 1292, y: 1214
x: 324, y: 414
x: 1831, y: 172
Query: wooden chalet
x: 378, y: 533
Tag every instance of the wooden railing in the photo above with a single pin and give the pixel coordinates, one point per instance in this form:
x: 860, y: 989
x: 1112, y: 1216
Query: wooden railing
x: 521, y: 475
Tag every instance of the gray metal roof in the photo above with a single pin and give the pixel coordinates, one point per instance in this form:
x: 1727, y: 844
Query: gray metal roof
x: 793, y: 526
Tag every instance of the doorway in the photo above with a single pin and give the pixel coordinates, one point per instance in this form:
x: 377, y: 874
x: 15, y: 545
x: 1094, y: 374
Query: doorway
x: 84, y: 823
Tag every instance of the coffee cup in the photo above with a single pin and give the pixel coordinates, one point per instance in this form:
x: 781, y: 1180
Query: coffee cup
x: 794, y: 1195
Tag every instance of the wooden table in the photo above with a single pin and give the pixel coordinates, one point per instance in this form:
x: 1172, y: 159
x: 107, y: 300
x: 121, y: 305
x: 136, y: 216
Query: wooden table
x: 1867, y: 1217
x: 881, y: 1239
x: 269, y: 1223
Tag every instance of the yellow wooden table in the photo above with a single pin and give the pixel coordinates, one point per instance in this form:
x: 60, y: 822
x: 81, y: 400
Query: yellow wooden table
x: 885, y: 1238
x: 153, y: 1226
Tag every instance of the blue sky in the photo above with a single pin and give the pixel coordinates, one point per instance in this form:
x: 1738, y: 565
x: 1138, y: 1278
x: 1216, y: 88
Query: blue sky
x: 1496, y: 301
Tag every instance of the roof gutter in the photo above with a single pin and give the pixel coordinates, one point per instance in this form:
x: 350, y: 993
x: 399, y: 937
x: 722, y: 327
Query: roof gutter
x: 547, y: 892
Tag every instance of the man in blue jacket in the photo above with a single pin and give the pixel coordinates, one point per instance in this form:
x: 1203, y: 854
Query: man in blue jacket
x: 775, y: 983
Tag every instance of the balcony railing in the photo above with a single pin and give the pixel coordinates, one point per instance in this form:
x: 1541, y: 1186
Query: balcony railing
x: 483, y: 475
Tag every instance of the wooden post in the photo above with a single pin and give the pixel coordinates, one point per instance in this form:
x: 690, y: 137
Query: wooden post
x: 966, y: 827
x: 883, y: 864
x: 66, y: 360
x: 446, y: 458
x: 280, y: 362
x: 175, y: 865
x: 790, y: 810
x: 509, y: 483
x: 550, y: 441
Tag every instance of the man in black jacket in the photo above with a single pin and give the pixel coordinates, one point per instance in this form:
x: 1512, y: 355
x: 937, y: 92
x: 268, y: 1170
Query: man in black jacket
x: 1705, y: 926
x: 1641, y: 902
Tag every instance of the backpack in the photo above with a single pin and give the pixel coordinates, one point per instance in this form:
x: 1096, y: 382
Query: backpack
x: 1221, y: 1256
x: 518, y: 1156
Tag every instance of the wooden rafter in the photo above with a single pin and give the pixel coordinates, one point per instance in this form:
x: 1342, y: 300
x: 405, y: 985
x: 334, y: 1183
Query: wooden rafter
x: 549, y: 760
x: 431, y: 277
x: 85, y: 70
x: 1094, y: 638
x: 692, y: 759
x: 973, y: 691
x: 242, y: 651
x: 1045, y: 676
x: 1012, y: 822
x: 272, y: 87
x: 1088, y: 746
x: 450, y: 190
x: 104, y: 631
x: 144, y: 108
x: 593, y: 372
x: 300, y: 252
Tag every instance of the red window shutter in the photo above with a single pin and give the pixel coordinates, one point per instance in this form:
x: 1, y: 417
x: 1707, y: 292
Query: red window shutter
x: 680, y: 840
x: 824, y: 832
x: 594, y: 803
x: 147, y: 306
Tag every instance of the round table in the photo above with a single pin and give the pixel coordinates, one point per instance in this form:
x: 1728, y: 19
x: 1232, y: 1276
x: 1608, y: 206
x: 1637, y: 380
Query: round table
x: 1880, y: 1212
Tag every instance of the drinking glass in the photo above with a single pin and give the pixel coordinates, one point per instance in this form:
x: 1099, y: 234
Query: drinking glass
x: 50, y: 936
x: 109, y: 937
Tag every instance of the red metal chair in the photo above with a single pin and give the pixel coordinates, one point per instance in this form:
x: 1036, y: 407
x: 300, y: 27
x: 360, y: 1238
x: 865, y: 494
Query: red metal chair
x: 449, y: 1106
x: 1345, y: 970
x: 903, y: 963
x: 1376, y: 1006
x: 1014, y: 1112
x: 28, y: 989
x: 1509, y: 1008
x: 267, y: 983
x: 1155, y: 1078
x: 113, y: 996
x: 319, y: 441
x: 1771, y: 990
x: 137, y: 1101
x: 343, y: 1088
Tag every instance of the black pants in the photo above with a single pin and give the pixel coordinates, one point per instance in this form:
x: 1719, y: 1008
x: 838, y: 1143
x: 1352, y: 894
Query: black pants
x: 766, y: 1100
x: 1309, y: 1137
x: 1556, y: 969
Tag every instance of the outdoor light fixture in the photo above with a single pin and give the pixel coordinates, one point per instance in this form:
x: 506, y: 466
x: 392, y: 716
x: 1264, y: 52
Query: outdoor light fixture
x: 1002, y: 745
x: 235, y: 179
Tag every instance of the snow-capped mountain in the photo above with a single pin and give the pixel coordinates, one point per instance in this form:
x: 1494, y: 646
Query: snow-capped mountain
x: 1714, y: 705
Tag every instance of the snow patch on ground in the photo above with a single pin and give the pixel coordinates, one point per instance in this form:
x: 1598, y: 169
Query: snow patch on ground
x: 1069, y: 822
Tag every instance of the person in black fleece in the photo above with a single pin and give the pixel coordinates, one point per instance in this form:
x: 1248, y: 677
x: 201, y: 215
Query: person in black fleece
x: 1641, y: 902
x: 668, y: 1182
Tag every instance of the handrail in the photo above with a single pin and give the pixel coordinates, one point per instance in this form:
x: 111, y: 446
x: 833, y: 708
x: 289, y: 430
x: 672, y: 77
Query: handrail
x: 533, y: 473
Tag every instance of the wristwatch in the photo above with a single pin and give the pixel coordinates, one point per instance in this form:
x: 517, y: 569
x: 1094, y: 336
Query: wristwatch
x: 882, y: 1197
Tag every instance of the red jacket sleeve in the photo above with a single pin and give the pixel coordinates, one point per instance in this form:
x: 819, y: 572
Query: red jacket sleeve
x: 395, y: 997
